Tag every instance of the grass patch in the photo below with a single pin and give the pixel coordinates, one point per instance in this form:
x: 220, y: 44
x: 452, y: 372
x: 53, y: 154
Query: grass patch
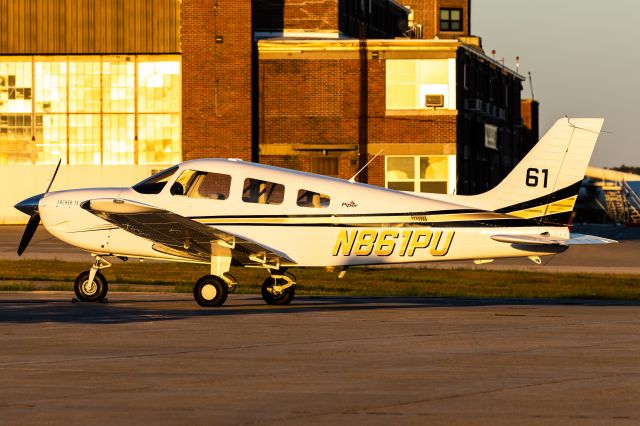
x: 27, y: 275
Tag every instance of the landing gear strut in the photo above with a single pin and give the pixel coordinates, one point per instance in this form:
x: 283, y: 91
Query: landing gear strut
x: 279, y: 288
x: 91, y: 285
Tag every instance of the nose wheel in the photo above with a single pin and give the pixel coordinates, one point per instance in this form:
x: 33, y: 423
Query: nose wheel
x: 91, y: 290
x: 91, y: 285
x: 279, y: 289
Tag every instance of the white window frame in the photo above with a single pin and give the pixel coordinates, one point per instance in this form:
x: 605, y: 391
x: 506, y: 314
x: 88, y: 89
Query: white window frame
x: 451, y: 172
x: 422, y: 88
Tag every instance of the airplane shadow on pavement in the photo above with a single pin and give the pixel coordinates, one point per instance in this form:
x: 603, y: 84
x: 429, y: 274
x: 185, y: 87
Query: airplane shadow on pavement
x: 123, y: 310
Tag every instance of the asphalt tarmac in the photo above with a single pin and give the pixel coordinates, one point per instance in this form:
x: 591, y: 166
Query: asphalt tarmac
x: 153, y: 358
x: 160, y: 359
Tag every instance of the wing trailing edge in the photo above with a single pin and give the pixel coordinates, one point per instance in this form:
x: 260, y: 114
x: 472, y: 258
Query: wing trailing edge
x: 178, y: 235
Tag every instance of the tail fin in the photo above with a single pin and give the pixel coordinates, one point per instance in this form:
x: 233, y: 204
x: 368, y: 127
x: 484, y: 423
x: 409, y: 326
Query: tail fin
x: 544, y: 185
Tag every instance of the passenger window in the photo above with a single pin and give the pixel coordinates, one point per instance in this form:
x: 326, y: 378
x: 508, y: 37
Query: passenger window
x: 312, y: 199
x: 195, y: 184
x: 262, y: 192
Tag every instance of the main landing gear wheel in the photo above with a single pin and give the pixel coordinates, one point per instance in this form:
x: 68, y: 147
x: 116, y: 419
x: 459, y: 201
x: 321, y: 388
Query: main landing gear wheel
x: 279, y: 290
x: 210, y: 291
x: 93, y: 291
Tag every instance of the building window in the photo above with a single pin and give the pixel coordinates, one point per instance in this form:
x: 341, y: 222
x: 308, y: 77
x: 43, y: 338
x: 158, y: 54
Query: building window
x: 421, y: 173
x: 90, y: 109
x: 412, y: 84
x: 450, y: 19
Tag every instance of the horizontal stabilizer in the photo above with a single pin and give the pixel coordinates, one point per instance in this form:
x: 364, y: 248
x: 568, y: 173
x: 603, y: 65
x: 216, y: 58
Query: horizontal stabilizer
x: 528, y: 239
x: 577, y: 239
x: 546, y: 240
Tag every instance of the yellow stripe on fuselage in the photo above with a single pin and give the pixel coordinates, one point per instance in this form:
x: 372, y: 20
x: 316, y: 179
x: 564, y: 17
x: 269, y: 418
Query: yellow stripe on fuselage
x: 560, y: 206
x: 355, y: 220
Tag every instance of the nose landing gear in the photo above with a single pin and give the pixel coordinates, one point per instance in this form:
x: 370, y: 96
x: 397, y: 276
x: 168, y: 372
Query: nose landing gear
x: 91, y: 285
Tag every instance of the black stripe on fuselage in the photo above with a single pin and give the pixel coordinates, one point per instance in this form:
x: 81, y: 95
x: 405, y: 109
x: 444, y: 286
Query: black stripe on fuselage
x: 507, y: 222
x: 297, y: 216
x: 561, y: 194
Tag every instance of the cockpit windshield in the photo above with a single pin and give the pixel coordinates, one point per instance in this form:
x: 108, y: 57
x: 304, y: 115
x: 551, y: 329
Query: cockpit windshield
x: 154, y: 184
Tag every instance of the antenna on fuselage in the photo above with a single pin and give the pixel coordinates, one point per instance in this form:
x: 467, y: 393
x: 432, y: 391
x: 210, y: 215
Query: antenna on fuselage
x: 353, y: 178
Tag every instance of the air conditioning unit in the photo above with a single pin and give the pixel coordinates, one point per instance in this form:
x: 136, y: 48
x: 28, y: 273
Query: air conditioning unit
x: 434, y: 101
x: 474, y: 104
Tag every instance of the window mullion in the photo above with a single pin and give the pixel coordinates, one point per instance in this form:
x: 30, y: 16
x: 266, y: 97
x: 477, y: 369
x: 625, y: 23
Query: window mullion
x: 33, y: 112
x: 416, y: 173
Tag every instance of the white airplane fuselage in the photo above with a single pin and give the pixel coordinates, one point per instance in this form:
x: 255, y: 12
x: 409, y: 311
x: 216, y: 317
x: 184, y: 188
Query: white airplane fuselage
x: 361, y: 225
x: 228, y: 213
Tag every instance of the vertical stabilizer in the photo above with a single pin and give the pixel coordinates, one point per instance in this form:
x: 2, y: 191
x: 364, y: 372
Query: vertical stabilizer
x: 544, y: 185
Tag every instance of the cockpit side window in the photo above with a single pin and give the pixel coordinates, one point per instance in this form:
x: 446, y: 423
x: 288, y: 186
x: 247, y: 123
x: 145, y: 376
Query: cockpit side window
x: 154, y: 184
x: 312, y: 199
x: 183, y: 182
x: 262, y: 192
x: 197, y: 184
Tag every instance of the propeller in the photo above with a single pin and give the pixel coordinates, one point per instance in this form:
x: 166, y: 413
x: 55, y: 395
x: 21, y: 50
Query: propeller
x: 30, y: 207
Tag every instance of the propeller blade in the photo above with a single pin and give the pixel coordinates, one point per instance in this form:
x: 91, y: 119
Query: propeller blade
x: 34, y: 221
x: 54, y: 176
x: 30, y: 206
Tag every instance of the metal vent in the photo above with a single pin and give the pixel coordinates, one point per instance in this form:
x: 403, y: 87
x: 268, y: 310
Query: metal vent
x: 434, y: 101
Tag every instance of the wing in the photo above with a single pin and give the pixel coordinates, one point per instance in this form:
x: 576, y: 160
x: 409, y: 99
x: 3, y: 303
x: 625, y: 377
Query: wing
x: 178, y: 235
x: 546, y: 240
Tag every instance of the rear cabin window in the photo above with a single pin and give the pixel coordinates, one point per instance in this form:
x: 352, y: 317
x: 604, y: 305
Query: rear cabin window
x: 196, y: 184
x: 312, y: 199
x: 262, y: 192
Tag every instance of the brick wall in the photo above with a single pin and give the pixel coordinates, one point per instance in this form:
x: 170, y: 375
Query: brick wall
x: 381, y: 18
x: 426, y: 13
x: 313, y: 102
x: 298, y: 15
x: 309, y: 101
x: 216, y: 79
x: 317, y: 102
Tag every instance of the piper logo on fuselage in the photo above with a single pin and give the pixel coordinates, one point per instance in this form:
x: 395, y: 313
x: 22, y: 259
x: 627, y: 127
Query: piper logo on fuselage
x: 364, y: 242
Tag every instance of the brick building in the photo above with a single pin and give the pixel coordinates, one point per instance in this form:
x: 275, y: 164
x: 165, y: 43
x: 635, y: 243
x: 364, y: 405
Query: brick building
x: 120, y: 89
x: 443, y: 116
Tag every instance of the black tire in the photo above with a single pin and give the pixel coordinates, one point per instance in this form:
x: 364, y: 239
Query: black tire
x: 210, y: 291
x: 281, y: 299
x: 91, y: 292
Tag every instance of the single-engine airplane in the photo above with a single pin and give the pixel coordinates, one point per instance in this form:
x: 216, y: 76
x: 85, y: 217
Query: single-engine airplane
x: 225, y: 212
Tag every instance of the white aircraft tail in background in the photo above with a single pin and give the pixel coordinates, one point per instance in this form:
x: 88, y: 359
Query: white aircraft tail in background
x: 229, y: 212
x: 544, y: 185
